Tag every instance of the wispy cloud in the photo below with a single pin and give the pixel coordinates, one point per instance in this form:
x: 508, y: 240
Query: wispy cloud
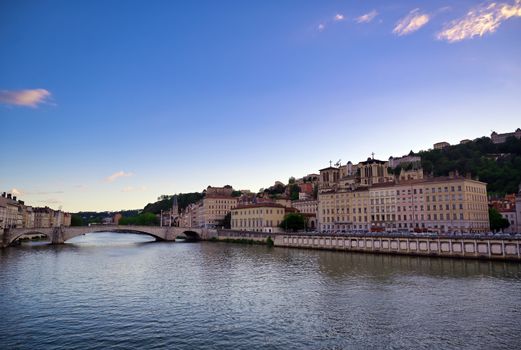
x: 338, y: 17
x: 29, y: 98
x: 134, y: 189
x: 368, y: 17
x: 117, y: 175
x: 17, y: 192
x: 51, y: 201
x: 479, y: 21
x: 411, y: 23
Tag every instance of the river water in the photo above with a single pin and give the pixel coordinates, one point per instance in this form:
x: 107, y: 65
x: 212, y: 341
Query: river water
x: 122, y: 291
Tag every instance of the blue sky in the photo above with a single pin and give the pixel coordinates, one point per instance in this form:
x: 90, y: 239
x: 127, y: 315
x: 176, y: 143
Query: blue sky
x: 171, y: 96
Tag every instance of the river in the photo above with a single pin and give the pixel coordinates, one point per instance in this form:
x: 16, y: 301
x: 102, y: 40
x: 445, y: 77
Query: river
x: 123, y: 291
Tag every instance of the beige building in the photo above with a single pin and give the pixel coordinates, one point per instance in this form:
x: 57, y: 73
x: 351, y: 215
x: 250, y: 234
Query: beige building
x: 445, y: 204
x: 344, y: 210
x: 382, y: 201
x: 442, y: 204
x: 210, y: 211
x: 43, y: 217
x: 501, y: 138
x: 15, y: 214
x: 260, y: 217
x: 11, y: 213
x: 441, y: 145
x: 214, y: 209
x: 374, y: 171
x: 28, y: 217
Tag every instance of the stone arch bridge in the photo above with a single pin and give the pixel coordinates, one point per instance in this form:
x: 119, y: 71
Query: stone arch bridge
x: 59, y: 235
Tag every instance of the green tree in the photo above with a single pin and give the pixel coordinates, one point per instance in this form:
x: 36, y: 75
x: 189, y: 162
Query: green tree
x: 291, y: 180
x: 226, y: 222
x: 143, y: 219
x: 294, y: 190
x: 76, y: 220
x: 497, y: 222
x: 294, y: 222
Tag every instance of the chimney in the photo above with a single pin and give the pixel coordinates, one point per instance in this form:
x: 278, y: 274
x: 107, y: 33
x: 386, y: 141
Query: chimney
x: 3, y: 194
x: 9, y: 196
x: 14, y: 198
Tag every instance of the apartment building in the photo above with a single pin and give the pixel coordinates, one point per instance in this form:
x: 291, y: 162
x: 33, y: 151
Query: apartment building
x: 259, y: 217
x: 442, y: 204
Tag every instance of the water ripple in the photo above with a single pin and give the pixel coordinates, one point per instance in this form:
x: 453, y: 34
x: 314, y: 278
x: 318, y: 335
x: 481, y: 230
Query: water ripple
x: 115, y: 291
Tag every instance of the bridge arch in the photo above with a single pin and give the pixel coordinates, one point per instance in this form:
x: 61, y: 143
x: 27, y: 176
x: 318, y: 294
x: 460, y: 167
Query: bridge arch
x: 46, y: 232
x: 62, y: 234
x: 191, y: 235
x: 71, y: 232
x: 122, y: 231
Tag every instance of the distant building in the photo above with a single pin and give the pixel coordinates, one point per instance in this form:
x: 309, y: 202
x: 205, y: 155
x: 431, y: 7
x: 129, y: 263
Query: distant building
x: 441, y: 145
x: 462, y: 142
x: 310, y: 209
x: 510, y: 215
x: 15, y: 214
x: 394, y: 162
x: 518, y: 211
x: 210, y: 211
x: 501, y: 138
x: 259, y: 217
x: 116, y: 218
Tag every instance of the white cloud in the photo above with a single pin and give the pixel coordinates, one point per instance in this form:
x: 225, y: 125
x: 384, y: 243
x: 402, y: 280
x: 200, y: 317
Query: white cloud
x: 17, y: 192
x: 117, y: 175
x: 368, y: 17
x: 321, y: 27
x: 29, y: 98
x: 411, y: 23
x: 479, y: 21
x: 339, y: 17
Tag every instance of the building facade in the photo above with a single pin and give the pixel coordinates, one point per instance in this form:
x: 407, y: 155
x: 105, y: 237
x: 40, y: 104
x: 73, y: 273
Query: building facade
x: 441, y: 145
x: 15, y: 214
x: 260, y: 217
x: 511, y: 216
x: 518, y: 212
x: 442, y: 205
x: 501, y: 138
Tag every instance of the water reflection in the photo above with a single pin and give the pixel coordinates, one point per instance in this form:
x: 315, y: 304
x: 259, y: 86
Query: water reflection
x: 120, y: 290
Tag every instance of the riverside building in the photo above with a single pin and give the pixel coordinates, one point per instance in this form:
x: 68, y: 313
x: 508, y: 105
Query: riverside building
x: 368, y: 197
x: 258, y: 217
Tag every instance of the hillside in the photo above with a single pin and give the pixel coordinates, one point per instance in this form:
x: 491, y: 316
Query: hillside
x: 499, y: 165
x: 183, y: 200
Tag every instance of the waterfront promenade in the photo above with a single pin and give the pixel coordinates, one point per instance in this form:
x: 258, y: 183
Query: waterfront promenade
x: 474, y: 247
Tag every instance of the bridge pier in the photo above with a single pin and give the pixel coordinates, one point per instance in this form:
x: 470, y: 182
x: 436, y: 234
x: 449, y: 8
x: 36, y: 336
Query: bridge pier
x: 4, y: 242
x: 57, y: 236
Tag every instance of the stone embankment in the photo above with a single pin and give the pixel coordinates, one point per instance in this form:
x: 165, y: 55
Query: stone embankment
x: 451, y: 247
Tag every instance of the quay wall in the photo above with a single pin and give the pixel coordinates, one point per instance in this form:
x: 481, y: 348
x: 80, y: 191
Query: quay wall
x: 450, y: 247
x: 246, y: 235
x: 501, y: 249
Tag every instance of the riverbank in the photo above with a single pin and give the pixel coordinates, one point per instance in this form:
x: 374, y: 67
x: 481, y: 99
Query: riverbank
x: 450, y: 247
